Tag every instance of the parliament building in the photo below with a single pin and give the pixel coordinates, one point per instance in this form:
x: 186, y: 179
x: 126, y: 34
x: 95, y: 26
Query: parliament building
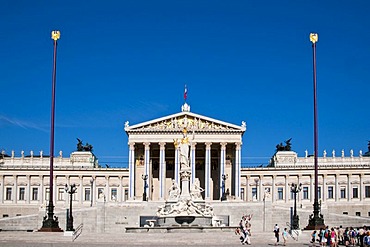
x: 127, y: 194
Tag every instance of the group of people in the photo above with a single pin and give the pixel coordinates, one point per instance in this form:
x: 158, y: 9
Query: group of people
x: 284, y: 234
x: 336, y: 236
x: 244, y: 229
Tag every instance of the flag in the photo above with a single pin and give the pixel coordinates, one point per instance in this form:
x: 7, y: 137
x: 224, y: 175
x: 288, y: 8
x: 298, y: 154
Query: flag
x: 185, y: 93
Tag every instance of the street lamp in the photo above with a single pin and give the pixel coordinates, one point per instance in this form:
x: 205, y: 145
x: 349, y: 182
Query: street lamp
x: 50, y: 222
x: 295, y: 188
x: 224, y: 177
x: 316, y: 220
x: 70, y: 190
x: 145, y: 178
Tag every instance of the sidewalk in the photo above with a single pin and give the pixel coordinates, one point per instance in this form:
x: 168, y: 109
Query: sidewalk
x: 39, y: 239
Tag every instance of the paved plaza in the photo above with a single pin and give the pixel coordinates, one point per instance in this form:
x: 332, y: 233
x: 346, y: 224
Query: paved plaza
x: 216, y: 238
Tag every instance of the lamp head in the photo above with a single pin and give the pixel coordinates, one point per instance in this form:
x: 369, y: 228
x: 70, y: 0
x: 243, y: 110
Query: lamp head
x: 314, y: 37
x: 55, y: 35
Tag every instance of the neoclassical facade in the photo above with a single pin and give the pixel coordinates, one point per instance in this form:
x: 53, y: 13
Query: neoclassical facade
x: 215, y: 152
x: 215, y: 161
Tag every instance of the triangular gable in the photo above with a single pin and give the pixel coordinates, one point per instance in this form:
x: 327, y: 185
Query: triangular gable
x: 178, y: 121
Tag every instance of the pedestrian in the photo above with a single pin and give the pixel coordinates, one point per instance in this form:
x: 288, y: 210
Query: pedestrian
x: 313, y: 238
x: 276, y: 231
x: 285, y: 236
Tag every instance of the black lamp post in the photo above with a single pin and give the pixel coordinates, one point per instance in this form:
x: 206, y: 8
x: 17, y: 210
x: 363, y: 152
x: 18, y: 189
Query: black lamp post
x: 70, y: 190
x: 295, y: 188
x: 224, y: 177
x: 145, y: 178
x: 316, y: 220
x: 50, y: 222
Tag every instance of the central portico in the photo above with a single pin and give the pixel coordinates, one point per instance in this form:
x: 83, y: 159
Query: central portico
x: 215, y: 150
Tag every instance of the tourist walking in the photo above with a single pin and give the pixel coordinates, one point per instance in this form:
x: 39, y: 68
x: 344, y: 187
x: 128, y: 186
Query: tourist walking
x: 276, y: 231
x: 285, y: 236
x: 313, y: 238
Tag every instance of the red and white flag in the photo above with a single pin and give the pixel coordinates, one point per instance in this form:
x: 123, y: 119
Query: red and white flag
x: 185, y: 93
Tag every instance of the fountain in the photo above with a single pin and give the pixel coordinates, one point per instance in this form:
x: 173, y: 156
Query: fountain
x: 185, y: 206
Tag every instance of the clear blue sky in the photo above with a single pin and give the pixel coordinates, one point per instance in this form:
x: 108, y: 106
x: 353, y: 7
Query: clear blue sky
x: 129, y: 60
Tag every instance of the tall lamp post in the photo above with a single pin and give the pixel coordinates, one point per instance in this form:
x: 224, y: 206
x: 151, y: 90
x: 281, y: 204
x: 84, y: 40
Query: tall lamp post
x: 50, y: 222
x: 145, y: 178
x: 316, y: 220
x: 295, y: 188
x: 224, y: 177
x: 70, y: 190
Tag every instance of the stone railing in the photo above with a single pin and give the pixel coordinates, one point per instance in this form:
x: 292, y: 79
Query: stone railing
x: 291, y: 159
x: 76, y: 159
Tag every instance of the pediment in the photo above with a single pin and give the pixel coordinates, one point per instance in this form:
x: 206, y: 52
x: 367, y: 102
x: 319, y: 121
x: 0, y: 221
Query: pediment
x: 179, y: 121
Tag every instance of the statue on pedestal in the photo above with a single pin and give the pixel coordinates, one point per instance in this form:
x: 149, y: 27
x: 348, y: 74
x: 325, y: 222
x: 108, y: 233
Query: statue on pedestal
x: 184, y: 149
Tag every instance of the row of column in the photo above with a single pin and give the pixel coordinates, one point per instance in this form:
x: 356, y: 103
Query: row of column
x: 192, y: 159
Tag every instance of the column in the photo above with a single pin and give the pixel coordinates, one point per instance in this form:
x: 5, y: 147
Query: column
x: 28, y: 194
x: 260, y: 189
x: 162, y: 170
x: 312, y: 189
x: 2, y: 189
x: 119, y: 192
x: 287, y: 189
x: 107, y: 190
x: 94, y: 192
x: 147, y: 167
x: 273, y: 192
x: 177, y: 166
x: 15, y: 198
x: 222, y: 166
x: 323, y: 190
x: 348, y: 187
x: 41, y: 198
x: 192, y: 162
x: 336, y: 187
x: 81, y: 190
x: 208, y: 170
x: 361, y: 187
x: 237, y: 169
x: 247, y: 188
x: 131, y: 167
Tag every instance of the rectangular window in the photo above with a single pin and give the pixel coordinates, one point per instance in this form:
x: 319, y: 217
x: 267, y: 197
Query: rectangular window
x: 343, y: 192
x: 8, y: 196
x: 305, y: 193
x: 330, y: 192
x: 47, y: 194
x: 35, y: 194
x: 126, y: 194
x: 87, y: 194
x: 292, y: 195
x: 319, y: 192
x: 367, y: 191
x: 101, y: 193
x: 280, y: 191
x: 22, y: 192
x: 358, y: 213
x: 354, y: 192
x: 113, y: 194
x: 242, y: 194
x: 254, y: 194
x: 61, y: 194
